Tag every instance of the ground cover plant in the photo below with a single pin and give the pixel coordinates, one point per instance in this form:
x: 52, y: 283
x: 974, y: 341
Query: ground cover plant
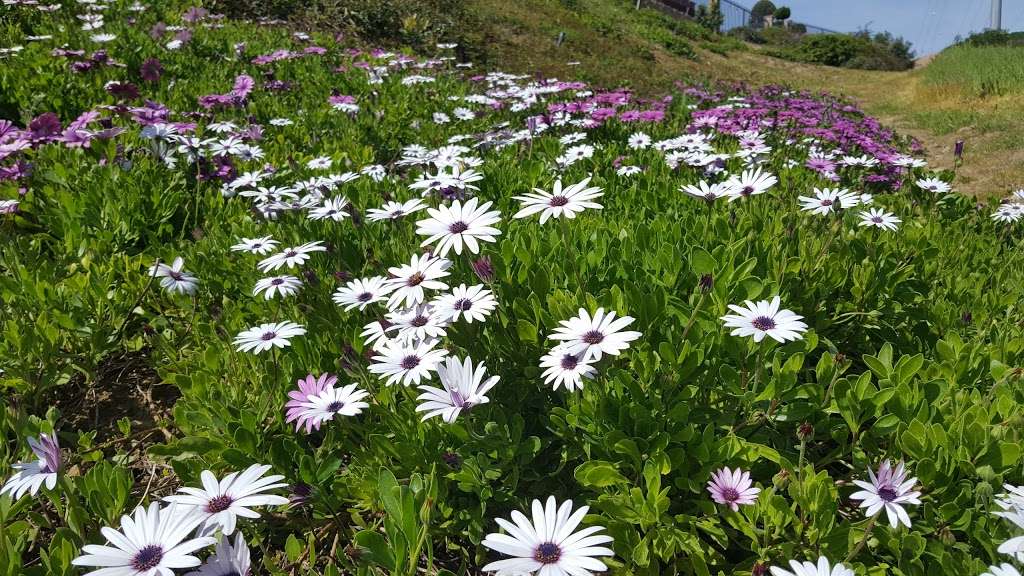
x: 288, y: 304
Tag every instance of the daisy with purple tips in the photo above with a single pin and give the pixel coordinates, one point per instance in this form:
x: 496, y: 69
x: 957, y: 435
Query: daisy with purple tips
x: 464, y: 387
x: 890, y: 490
x: 30, y: 476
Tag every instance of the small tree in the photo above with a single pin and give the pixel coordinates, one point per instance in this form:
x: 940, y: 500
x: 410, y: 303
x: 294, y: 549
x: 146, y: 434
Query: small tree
x: 782, y: 13
x: 710, y: 16
x: 758, y: 13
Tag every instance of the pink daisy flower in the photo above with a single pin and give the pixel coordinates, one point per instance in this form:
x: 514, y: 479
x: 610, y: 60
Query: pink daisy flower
x: 732, y: 488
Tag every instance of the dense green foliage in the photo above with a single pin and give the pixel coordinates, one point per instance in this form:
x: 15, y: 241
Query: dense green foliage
x: 862, y: 50
x: 995, y: 38
x: 913, y: 350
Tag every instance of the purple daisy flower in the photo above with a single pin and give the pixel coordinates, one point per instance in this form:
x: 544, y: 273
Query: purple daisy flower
x: 732, y: 488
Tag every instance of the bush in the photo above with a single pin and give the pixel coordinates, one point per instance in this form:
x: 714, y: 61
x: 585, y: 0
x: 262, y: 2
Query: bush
x: 879, y: 52
x: 995, y: 38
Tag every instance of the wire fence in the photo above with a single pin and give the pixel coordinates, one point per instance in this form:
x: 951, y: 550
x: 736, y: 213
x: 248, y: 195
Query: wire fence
x: 733, y: 15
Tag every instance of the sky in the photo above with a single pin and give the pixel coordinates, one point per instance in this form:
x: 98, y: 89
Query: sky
x: 930, y: 25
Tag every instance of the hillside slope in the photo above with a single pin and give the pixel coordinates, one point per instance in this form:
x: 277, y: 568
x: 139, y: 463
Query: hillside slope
x: 609, y: 43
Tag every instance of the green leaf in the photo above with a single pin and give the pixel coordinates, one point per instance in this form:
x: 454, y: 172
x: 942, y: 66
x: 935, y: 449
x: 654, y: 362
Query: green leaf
x: 598, y: 474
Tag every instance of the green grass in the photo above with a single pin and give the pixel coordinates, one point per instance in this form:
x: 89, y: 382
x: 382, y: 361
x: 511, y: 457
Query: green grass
x: 978, y: 70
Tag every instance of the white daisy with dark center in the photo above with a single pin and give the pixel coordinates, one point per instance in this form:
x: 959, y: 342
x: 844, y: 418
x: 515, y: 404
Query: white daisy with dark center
x: 266, y: 336
x: 362, y: 292
x: 890, y: 490
x: 559, y: 203
x: 174, y: 278
x: 594, y: 336
x: 764, y: 318
x: 550, y: 544
x: 407, y: 365
x: 750, y: 183
x: 153, y: 541
x: 451, y: 227
x: 464, y: 387
x: 562, y: 366
x: 220, y: 503
x: 472, y: 303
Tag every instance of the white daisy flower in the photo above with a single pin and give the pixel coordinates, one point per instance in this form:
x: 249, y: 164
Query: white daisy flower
x: 564, y: 367
x: 154, y: 541
x: 823, y: 568
x: 279, y: 285
x: 409, y: 280
x: 406, y: 364
x: 320, y: 163
x: 219, y: 504
x: 825, y: 201
x: 394, y: 210
x: 226, y: 559
x: 934, y: 185
x: 550, y: 544
x: 375, y: 334
x: 318, y: 400
x: 878, y: 218
x: 333, y: 208
x: 559, y: 203
x: 639, y: 141
x: 464, y: 387
x: 1003, y: 569
x: 472, y: 303
x: 764, y: 319
x: 261, y: 338
x: 750, y: 183
x: 361, y: 292
x: 707, y: 192
x: 596, y: 335
x: 628, y: 170
x: 30, y: 476
x: 174, y: 278
x: 450, y: 227
x: 291, y: 257
x: 416, y: 324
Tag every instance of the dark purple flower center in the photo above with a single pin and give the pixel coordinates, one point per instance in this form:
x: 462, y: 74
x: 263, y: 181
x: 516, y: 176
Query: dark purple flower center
x: 410, y: 362
x: 176, y: 275
x: 764, y: 323
x: 335, y: 406
x: 147, y: 558
x: 747, y: 190
x: 364, y: 297
x: 277, y: 281
x: 416, y: 279
x: 569, y: 362
x: 268, y: 336
x: 593, y: 337
x: 559, y: 201
x: 463, y: 304
x: 547, y: 553
x: 291, y: 254
x: 876, y: 219
x: 730, y: 494
x: 826, y: 202
x: 419, y: 321
x: 458, y: 227
x: 219, y: 504
x: 887, y: 493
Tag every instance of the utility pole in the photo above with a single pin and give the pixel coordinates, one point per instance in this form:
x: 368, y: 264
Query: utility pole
x: 997, y: 15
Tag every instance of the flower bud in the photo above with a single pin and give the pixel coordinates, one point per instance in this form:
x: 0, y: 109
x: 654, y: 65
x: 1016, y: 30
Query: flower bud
x: 706, y: 283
